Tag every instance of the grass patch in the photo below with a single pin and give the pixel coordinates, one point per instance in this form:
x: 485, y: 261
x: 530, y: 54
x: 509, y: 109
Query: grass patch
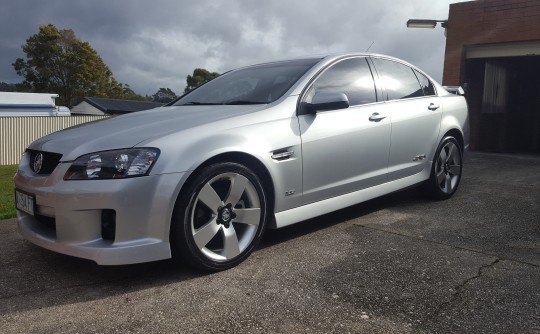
x: 7, y: 203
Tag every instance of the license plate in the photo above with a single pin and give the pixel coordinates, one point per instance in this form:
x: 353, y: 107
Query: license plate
x: 25, y: 202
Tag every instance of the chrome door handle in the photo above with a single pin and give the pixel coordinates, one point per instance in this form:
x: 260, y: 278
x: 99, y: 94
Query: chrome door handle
x: 376, y: 117
x: 433, y: 106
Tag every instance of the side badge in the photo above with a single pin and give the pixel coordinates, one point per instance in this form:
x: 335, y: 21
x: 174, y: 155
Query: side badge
x: 419, y: 157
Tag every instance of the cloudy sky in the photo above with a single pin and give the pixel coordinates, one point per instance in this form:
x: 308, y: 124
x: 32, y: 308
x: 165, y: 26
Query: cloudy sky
x: 153, y: 44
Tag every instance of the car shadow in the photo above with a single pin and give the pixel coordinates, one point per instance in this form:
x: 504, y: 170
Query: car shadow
x: 34, y: 278
x: 405, y: 197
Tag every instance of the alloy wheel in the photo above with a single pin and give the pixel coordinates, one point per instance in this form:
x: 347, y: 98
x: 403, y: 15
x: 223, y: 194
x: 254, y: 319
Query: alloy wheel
x: 448, y: 168
x: 225, y: 216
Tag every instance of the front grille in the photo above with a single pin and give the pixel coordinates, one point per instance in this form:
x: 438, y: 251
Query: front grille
x: 48, y: 163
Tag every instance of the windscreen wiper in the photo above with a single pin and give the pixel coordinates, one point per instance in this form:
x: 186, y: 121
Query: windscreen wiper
x: 244, y: 102
x: 195, y: 103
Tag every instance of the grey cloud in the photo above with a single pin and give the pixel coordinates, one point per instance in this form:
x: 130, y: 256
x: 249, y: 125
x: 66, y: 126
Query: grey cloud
x: 152, y: 44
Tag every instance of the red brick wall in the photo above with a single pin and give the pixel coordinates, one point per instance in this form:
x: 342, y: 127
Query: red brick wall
x: 487, y: 22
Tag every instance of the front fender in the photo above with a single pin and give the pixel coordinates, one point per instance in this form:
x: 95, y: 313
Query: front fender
x: 188, y: 150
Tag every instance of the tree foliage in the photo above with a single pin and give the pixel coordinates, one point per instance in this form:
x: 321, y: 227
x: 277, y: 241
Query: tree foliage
x: 163, y: 95
x: 7, y: 87
x: 126, y: 93
x: 58, y: 62
x: 200, y: 76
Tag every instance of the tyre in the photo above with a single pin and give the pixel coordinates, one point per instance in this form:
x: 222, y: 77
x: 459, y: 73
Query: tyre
x: 445, y: 170
x: 219, y: 218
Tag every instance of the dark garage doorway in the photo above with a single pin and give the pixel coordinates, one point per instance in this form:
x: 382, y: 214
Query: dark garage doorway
x: 504, y: 101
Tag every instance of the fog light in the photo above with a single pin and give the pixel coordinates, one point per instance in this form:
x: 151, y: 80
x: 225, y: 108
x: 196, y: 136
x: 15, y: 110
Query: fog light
x: 108, y: 224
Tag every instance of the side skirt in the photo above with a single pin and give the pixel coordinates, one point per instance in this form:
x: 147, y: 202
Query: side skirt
x: 308, y: 211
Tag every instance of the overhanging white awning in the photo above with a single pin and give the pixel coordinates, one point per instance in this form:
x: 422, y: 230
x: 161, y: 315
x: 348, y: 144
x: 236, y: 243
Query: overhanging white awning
x: 513, y: 49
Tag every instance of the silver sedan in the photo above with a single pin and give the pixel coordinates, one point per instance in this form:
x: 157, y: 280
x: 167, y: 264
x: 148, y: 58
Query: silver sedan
x: 260, y: 147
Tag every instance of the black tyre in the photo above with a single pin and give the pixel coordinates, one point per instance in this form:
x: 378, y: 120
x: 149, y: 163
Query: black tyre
x: 219, y: 218
x: 445, y: 170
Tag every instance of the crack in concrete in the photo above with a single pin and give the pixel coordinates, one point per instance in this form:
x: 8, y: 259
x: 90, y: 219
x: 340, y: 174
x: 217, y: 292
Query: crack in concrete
x: 458, y: 288
x: 515, y: 260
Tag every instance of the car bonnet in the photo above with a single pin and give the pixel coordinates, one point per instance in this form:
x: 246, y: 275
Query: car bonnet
x: 128, y: 130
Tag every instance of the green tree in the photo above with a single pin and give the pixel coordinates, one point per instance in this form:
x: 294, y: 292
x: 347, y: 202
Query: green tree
x: 58, y: 62
x: 163, y: 95
x: 124, y: 92
x: 200, y: 76
x: 8, y: 87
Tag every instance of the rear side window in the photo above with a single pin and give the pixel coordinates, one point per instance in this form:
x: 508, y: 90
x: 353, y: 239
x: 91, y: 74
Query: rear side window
x: 425, y: 83
x: 352, y: 77
x: 399, y: 80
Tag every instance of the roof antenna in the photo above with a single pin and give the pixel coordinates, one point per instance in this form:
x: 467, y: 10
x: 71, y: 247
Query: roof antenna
x: 367, y: 50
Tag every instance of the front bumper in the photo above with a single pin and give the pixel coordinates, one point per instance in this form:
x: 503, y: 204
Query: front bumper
x: 73, y: 212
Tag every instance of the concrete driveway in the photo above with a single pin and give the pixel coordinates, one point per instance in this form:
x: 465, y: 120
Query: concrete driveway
x: 398, y: 264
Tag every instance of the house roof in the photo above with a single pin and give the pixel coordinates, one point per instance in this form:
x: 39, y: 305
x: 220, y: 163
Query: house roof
x: 113, y: 106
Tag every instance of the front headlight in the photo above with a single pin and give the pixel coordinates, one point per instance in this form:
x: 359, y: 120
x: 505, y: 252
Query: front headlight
x: 117, y: 164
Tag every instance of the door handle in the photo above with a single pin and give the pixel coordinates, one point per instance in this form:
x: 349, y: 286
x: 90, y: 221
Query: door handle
x: 433, y: 106
x: 376, y: 117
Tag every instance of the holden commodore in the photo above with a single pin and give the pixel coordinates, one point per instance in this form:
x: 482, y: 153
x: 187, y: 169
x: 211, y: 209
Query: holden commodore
x: 263, y: 146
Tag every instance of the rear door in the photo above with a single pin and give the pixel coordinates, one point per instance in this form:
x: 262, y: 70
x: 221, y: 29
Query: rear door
x: 416, y: 113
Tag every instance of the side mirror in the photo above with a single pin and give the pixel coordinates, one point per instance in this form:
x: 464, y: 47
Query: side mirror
x: 326, y: 101
x: 458, y: 90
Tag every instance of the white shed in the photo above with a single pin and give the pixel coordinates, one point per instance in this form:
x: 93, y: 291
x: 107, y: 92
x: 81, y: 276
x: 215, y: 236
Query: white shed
x: 30, y: 104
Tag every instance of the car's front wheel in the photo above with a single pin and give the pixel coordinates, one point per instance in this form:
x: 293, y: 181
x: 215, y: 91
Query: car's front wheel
x: 445, y: 170
x: 219, y: 218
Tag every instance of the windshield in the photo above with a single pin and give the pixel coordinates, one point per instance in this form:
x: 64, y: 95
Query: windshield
x: 259, y: 84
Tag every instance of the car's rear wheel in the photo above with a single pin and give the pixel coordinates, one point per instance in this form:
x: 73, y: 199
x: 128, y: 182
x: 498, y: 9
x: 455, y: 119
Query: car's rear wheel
x: 219, y: 218
x: 445, y: 170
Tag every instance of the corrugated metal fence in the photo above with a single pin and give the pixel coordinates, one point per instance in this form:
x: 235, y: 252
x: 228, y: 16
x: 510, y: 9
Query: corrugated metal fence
x: 16, y: 133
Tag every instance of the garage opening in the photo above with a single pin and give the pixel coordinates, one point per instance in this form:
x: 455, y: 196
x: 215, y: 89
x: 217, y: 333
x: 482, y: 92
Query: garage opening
x: 504, y: 101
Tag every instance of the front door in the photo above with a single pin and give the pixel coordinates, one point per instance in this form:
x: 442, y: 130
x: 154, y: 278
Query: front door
x: 344, y: 150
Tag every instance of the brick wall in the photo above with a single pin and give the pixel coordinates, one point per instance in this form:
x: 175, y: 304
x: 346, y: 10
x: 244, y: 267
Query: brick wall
x: 487, y: 22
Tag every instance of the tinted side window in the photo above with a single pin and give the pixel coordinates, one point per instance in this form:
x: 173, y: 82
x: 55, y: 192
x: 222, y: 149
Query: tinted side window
x: 426, y: 85
x: 399, y: 79
x: 352, y: 77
